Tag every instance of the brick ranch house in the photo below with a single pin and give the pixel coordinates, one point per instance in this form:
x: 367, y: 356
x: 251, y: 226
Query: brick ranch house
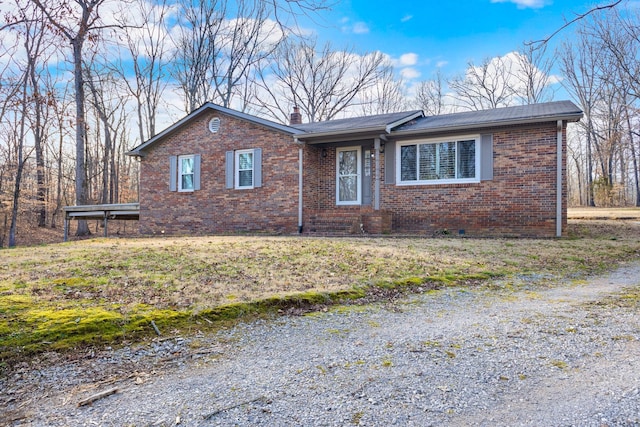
x: 497, y: 172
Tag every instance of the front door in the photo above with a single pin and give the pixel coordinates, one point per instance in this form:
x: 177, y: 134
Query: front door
x: 348, y: 176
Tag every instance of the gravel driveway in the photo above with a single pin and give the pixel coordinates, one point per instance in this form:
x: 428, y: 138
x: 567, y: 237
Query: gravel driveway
x: 529, y: 354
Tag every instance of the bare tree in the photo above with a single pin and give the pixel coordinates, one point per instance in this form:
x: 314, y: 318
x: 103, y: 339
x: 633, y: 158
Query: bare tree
x: 28, y: 111
x: 148, y: 47
x: 61, y: 115
x: 19, y: 136
x: 40, y: 103
x: 601, y: 70
x: 197, y: 50
x: 220, y: 42
x: 578, y: 62
x: 322, y: 83
x: 76, y: 24
x: 430, y: 95
x: 11, y: 83
x: 387, y: 95
x: 578, y: 17
x: 533, y: 74
x: 485, y: 86
x: 619, y: 35
x: 107, y: 103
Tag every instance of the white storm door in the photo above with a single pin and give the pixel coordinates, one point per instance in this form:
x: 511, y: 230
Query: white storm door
x: 348, y: 170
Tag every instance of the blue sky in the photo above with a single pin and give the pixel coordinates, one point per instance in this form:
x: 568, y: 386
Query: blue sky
x: 446, y: 34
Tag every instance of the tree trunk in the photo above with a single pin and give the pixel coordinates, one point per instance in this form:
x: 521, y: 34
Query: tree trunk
x: 58, y: 180
x: 38, y: 141
x: 81, y: 181
x: 634, y: 159
x: 106, y: 161
x: 20, y: 168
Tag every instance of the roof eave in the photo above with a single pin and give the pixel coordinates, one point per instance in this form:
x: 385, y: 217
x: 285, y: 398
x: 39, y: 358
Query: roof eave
x: 362, y: 133
x: 403, y: 120
x: 138, y: 151
x: 569, y: 117
x: 341, y: 135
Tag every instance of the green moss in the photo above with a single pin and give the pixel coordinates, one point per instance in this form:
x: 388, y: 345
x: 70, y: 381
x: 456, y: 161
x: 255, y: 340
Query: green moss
x: 559, y: 364
x: 355, y: 418
x: 4, y: 328
x: 14, y: 303
x: 33, y: 329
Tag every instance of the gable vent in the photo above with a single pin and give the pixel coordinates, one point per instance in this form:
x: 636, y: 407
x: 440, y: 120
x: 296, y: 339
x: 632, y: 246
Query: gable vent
x: 214, y: 125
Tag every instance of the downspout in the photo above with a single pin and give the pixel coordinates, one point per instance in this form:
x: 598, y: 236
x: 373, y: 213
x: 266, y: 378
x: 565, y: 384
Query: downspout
x: 559, y: 182
x: 300, y: 175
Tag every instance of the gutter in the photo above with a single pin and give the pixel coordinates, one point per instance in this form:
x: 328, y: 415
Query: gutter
x: 574, y: 117
x: 342, y: 133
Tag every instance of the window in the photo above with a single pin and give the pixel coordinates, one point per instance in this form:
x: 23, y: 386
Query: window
x: 186, y: 172
x: 439, y: 161
x: 244, y: 169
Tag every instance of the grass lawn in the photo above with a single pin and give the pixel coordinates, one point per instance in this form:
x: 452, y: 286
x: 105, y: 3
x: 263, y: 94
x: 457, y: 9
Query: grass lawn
x: 626, y: 213
x: 69, y: 295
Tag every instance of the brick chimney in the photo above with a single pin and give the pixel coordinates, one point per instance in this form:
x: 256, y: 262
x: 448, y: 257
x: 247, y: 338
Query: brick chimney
x: 296, y: 117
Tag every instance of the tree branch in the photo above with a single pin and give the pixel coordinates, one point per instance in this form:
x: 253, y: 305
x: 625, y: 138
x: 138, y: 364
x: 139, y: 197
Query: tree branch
x: 577, y: 18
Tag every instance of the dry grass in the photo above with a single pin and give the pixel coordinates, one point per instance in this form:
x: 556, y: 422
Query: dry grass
x: 125, y: 283
x: 627, y: 213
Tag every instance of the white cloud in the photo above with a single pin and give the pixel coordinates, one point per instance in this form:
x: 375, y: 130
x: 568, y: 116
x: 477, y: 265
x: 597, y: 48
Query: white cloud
x: 360, y: 28
x: 408, y: 59
x: 441, y: 64
x: 357, y: 27
x: 406, y: 18
x: 409, y: 73
x: 524, y: 4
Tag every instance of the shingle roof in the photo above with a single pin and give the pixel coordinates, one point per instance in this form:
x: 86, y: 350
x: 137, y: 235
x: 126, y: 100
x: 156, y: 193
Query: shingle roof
x: 549, y: 111
x: 375, y: 122
x: 396, y: 124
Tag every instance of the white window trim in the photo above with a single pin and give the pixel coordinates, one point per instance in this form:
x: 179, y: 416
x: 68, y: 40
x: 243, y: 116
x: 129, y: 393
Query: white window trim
x: 237, y: 170
x: 456, y: 138
x: 180, y: 158
x: 358, y: 174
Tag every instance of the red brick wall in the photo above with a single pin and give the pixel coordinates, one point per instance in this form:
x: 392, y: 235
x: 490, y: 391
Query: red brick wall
x: 215, y: 209
x: 520, y: 200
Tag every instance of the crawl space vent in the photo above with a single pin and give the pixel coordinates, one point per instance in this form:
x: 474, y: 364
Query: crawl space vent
x: 214, y: 125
